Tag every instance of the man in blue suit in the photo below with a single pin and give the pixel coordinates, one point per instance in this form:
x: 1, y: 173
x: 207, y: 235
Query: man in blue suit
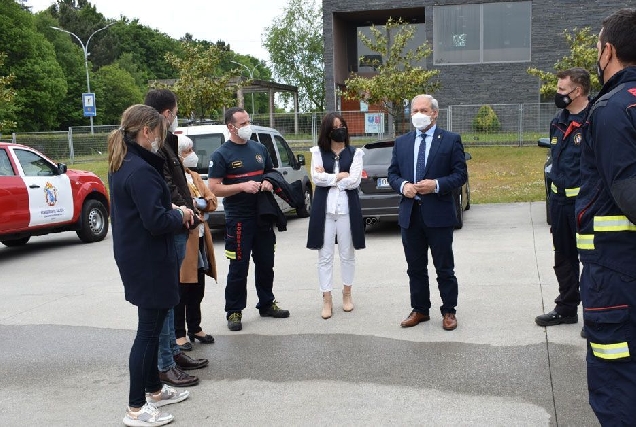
x: 426, y: 166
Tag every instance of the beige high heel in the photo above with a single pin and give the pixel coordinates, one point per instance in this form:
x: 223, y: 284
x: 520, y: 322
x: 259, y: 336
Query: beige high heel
x: 327, y: 305
x: 347, y: 302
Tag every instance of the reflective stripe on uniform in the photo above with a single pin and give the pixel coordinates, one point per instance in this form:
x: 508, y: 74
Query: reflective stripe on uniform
x: 230, y: 254
x: 613, y: 223
x: 585, y: 241
x: 569, y: 192
x: 610, y: 351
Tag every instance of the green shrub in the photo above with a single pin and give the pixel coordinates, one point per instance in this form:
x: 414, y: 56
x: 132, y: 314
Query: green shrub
x: 486, y: 120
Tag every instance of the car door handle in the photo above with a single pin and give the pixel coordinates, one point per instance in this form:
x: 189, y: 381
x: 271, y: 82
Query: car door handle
x: 34, y: 186
x: 284, y: 172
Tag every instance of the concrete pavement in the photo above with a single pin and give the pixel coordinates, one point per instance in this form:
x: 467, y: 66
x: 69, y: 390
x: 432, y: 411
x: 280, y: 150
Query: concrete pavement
x: 66, y: 332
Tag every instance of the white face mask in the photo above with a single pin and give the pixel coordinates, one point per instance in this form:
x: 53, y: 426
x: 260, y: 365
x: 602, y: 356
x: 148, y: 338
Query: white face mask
x: 154, y: 145
x: 420, y: 120
x: 245, y: 132
x: 191, y: 160
x: 174, y: 124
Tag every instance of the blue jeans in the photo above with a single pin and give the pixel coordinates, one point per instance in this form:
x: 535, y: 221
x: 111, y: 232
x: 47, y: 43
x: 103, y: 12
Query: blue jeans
x: 168, y: 347
x: 142, y: 361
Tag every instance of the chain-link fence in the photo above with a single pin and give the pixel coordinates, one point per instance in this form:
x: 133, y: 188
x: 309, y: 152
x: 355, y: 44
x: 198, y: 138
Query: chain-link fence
x: 515, y: 124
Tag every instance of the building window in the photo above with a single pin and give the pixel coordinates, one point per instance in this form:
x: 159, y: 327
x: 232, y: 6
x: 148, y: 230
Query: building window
x: 419, y: 38
x: 482, y: 33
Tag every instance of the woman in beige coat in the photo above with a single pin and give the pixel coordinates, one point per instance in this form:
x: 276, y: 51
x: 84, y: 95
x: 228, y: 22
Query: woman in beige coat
x: 199, y: 260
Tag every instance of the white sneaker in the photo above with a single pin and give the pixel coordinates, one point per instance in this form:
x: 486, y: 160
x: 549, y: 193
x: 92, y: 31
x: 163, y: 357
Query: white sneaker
x: 168, y: 395
x: 148, y: 415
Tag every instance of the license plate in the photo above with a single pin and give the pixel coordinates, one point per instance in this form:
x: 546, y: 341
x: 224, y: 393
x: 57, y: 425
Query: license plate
x: 382, y: 183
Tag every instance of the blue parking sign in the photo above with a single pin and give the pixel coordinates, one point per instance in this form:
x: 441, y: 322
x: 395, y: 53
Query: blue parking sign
x: 88, y: 103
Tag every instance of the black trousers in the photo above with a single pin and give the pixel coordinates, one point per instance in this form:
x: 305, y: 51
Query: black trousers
x: 188, y: 311
x: 566, y: 256
x: 244, y: 238
x: 417, y: 239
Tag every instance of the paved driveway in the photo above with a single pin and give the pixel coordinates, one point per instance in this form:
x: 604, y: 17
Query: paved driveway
x: 65, y: 334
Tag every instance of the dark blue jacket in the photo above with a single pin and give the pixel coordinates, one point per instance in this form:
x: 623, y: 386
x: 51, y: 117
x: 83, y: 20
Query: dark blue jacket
x: 143, y: 223
x: 446, y: 163
x: 565, y: 139
x: 606, y: 204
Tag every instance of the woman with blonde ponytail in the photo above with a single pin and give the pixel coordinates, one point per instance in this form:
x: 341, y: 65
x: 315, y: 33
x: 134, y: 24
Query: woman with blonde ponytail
x: 143, y: 223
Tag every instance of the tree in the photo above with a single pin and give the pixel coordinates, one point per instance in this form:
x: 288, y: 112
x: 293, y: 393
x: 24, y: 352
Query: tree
x: 6, y: 98
x: 39, y: 82
x: 583, y: 53
x: 115, y: 90
x: 71, y: 59
x: 295, y: 46
x: 398, y: 77
x: 202, y: 88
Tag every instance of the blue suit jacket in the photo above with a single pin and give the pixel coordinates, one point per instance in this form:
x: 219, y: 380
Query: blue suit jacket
x: 446, y: 163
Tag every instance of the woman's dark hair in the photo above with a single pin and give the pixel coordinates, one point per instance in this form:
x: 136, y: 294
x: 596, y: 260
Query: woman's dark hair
x: 324, y: 137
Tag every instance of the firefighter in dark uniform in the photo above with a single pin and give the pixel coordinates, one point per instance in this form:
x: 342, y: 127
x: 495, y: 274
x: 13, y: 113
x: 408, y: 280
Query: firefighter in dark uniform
x: 236, y: 174
x: 606, y: 218
x: 573, y: 88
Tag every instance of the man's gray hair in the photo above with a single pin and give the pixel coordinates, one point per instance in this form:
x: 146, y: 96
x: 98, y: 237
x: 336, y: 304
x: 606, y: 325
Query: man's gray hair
x: 433, y: 101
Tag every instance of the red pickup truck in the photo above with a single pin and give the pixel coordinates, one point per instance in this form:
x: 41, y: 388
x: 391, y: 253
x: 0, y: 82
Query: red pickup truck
x: 39, y: 196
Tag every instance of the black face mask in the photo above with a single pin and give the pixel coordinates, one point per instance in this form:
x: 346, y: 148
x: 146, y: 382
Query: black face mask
x: 599, y: 71
x: 339, y: 134
x: 561, y: 100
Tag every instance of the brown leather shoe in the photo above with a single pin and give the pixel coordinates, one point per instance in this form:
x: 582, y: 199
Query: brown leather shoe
x: 177, y: 378
x: 187, y: 363
x: 414, y: 319
x: 450, y: 322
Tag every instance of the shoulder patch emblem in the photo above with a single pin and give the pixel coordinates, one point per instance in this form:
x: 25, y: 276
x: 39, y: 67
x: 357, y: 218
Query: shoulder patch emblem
x: 259, y: 158
x: 632, y: 91
x: 236, y: 164
x: 577, y: 139
x: 554, y: 140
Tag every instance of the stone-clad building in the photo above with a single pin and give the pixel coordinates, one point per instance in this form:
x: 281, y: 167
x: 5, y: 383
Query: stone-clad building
x: 481, y: 47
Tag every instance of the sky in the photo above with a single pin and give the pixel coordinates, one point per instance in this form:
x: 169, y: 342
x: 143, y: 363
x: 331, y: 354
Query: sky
x: 239, y: 24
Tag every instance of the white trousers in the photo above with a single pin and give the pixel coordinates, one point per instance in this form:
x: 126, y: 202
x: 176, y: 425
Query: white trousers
x: 336, y: 225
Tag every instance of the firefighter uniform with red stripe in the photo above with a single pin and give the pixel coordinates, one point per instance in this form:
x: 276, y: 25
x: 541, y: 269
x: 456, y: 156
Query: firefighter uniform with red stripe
x: 606, y: 214
x: 565, y: 149
x: 236, y: 163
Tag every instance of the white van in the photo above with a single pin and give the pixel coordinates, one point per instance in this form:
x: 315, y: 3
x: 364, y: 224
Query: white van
x: 208, y: 138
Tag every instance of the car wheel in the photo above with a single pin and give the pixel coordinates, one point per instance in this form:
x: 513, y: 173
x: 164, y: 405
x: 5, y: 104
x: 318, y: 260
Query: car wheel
x: 467, y: 196
x: 16, y: 242
x: 94, y: 222
x: 306, y: 209
x: 460, y: 211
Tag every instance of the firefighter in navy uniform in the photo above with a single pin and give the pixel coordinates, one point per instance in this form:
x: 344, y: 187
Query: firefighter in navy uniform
x: 573, y: 88
x: 236, y: 174
x: 606, y: 218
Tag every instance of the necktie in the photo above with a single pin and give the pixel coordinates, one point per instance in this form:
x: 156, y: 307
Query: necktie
x: 421, y: 158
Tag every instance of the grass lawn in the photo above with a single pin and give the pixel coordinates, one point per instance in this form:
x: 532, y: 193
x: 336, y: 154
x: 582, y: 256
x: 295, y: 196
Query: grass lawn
x: 497, y: 174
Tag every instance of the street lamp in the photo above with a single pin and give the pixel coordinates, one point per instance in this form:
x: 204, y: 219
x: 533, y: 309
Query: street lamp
x: 251, y: 78
x: 85, y: 49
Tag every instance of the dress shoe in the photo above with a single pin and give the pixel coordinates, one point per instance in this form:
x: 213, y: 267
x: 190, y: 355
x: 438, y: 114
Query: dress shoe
x: 187, y: 363
x: 553, y: 318
x: 185, y: 347
x: 205, y: 339
x: 414, y: 319
x: 449, y: 322
x: 177, y: 378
